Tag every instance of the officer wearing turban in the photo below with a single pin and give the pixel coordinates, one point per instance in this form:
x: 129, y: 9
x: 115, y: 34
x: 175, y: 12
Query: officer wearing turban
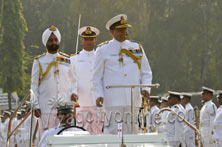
x: 52, y: 78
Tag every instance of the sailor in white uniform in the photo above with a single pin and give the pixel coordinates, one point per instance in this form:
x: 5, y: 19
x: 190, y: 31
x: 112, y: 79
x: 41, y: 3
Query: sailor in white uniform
x: 190, y: 117
x: 52, y: 78
x: 83, y: 63
x: 174, y: 125
x: 163, y: 116
x: 151, y: 123
x: 119, y: 62
x: 207, y: 115
x: 20, y: 132
x: 27, y: 126
x: 65, y: 115
x: 4, y: 127
x: 217, y: 135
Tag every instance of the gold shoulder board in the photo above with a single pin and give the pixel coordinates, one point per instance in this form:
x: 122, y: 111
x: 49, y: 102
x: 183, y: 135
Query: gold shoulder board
x: 105, y: 42
x: 74, y: 54
x: 64, y: 54
x: 37, y: 57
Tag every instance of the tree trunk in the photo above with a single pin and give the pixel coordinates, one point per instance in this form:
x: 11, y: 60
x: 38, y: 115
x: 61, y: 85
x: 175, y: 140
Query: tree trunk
x: 9, y: 101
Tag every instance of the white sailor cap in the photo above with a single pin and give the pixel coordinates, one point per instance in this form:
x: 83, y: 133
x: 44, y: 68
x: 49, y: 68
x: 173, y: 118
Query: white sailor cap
x: 159, y: 100
x: 207, y: 90
x: 154, y: 97
x: 88, y: 32
x: 219, y: 94
x: 47, y: 33
x: 6, y: 112
x: 188, y: 95
x: 174, y: 94
x: 23, y: 109
x: 117, y: 22
x: 164, y: 98
x: 19, y: 113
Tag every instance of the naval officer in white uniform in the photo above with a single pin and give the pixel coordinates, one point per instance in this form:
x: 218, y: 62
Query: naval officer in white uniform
x: 174, y: 125
x: 52, y: 78
x: 119, y: 62
x: 87, y: 114
x: 217, y: 135
x: 207, y: 115
x: 151, y: 120
x: 190, y: 117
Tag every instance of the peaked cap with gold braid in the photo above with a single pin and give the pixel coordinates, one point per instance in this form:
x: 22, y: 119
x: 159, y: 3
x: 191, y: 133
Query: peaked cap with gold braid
x: 118, y: 22
x: 88, y: 32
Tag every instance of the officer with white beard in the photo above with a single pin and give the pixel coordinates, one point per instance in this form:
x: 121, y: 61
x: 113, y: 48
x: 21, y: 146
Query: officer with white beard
x: 119, y: 62
x: 52, y: 78
x: 217, y: 135
x: 190, y: 117
x: 83, y: 63
x: 207, y: 115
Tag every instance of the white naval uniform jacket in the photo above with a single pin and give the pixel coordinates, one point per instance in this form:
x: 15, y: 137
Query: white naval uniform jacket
x: 109, y: 71
x: 151, y: 123
x: 189, y: 116
x: 175, y: 126
x: 61, y: 85
x: 83, y: 67
x: 3, y: 132
x: 163, y: 120
x: 218, y: 125
x: 207, y: 115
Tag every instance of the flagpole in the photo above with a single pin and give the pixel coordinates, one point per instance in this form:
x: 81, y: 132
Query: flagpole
x: 77, y: 39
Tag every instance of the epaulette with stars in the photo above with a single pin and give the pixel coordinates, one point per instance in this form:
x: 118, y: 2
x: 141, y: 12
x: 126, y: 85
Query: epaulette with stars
x: 37, y: 57
x: 64, y: 54
x: 105, y: 42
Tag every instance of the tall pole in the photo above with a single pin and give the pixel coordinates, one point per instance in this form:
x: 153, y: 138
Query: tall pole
x: 132, y: 110
x: 77, y: 38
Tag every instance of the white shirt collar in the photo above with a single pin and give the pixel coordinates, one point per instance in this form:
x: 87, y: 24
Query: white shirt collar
x: 88, y: 52
x: 119, y: 43
x: 52, y: 55
x: 208, y: 102
x: 154, y: 107
x: 187, y: 105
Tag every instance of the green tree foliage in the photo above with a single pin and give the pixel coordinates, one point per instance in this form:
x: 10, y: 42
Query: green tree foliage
x: 13, y: 26
x: 182, y: 38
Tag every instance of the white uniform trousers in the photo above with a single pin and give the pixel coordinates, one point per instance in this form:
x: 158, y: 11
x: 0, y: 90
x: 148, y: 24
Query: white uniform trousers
x: 189, y: 139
